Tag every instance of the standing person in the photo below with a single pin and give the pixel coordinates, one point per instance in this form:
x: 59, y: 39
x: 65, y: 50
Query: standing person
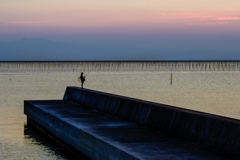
x: 82, y: 79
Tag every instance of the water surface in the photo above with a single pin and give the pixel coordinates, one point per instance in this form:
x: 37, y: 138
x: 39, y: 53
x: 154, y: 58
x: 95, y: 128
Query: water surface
x: 211, y: 87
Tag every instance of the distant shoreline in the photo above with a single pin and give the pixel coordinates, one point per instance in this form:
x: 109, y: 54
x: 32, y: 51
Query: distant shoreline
x: 89, y: 66
x: 123, y: 61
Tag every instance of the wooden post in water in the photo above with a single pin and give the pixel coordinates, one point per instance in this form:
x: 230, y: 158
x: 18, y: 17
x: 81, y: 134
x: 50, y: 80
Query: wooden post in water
x: 171, y: 79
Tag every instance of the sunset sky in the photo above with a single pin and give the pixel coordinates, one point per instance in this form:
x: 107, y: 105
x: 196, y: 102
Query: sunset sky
x: 165, y: 25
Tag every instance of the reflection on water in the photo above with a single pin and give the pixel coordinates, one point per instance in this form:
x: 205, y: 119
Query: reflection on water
x: 30, y: 147
x: 204, y: 86
x: 50, y: 147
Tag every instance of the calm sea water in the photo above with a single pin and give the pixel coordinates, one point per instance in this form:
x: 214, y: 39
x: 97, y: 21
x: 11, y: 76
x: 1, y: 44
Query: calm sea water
x: 212, y: 87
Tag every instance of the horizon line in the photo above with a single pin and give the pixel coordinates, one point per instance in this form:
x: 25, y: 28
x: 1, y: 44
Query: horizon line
x: 99, y: 61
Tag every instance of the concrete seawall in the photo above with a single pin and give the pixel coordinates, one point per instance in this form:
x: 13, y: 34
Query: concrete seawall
x: 107, y: 126
x: 210, y: 131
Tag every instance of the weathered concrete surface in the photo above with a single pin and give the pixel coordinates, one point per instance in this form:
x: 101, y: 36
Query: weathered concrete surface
x: 213, y: 132
x: 102, y: 136
x: 105, y: 126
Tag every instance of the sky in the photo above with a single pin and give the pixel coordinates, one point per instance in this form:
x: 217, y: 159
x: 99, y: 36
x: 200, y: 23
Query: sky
x: 157, y: 27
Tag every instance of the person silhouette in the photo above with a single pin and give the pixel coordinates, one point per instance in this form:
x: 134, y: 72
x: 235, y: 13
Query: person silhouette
x: 82, y: 79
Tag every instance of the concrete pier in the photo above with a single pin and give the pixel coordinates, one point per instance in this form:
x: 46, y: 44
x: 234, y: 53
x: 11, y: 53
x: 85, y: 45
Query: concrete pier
x: 106, y: 126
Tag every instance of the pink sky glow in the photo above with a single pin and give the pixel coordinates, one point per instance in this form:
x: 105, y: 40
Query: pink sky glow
x: 126, y: 20
x: 27, y: 22
x: 132, y: 15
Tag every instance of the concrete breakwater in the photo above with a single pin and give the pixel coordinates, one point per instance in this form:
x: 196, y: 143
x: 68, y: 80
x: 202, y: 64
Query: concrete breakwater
x: 106, y: 126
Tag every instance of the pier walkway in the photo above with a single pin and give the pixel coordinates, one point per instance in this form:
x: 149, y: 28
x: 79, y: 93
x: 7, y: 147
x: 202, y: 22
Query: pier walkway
x: 100, y: 135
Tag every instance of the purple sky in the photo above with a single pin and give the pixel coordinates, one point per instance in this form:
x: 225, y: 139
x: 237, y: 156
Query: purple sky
x: 172, y: 25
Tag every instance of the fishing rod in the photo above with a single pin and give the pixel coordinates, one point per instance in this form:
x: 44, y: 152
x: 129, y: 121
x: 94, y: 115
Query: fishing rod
x: 88, y: 73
